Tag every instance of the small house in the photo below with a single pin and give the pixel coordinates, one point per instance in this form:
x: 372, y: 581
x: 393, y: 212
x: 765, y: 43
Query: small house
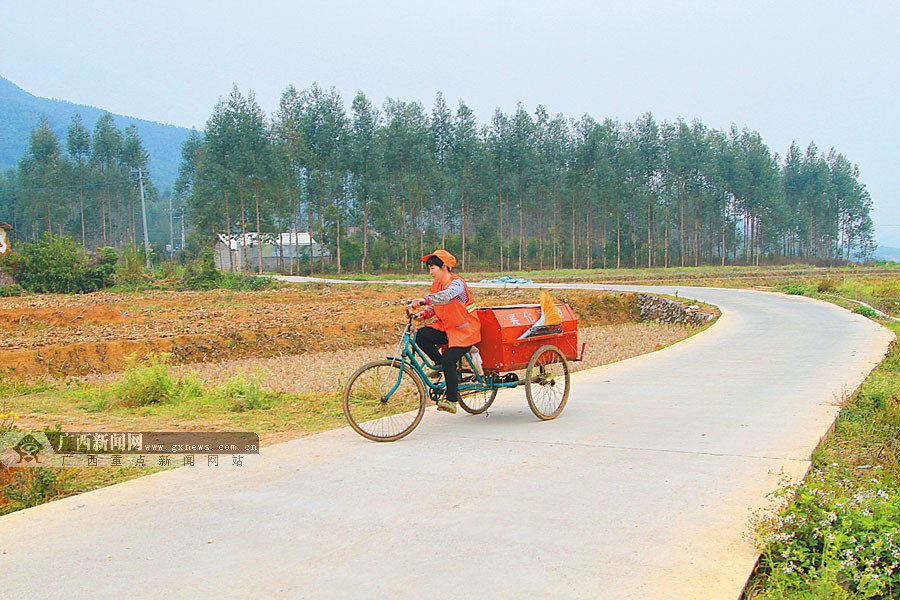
x: 241, y: 252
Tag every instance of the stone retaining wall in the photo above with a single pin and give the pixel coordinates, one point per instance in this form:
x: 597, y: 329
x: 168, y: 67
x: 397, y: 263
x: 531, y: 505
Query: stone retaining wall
x: 665, y: 310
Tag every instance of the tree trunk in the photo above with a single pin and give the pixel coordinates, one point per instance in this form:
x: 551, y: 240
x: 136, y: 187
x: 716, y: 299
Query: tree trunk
x: 243, y: 231
x: 259, y: 240
x: 618, y: 239
x: 574, y: 239
x: 365, y: 256
x: 227, y: 233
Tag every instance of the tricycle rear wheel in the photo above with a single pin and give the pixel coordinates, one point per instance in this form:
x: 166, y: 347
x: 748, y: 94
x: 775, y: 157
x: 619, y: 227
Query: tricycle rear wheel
x: 547, y: 382
x: 476, y: 402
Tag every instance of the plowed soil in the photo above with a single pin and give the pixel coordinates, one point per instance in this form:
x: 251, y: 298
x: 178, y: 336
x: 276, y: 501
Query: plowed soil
x: 59, y: 335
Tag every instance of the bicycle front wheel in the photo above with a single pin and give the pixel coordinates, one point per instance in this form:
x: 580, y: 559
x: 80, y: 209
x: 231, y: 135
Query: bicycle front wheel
x: 384, y: 400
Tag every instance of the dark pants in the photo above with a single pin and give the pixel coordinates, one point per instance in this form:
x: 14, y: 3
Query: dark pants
x: 428, y: 340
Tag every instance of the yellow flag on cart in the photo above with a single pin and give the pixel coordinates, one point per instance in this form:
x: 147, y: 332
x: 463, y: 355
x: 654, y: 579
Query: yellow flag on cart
x: 548, y: 307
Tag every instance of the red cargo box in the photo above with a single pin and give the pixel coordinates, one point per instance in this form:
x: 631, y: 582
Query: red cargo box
x: 501, y: 326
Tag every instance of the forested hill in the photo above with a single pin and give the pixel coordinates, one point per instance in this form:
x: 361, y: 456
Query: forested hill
x: 20, y: 112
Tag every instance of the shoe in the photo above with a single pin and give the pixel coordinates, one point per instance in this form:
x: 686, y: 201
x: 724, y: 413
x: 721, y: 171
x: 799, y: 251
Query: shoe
x: 446, y: 406
x: 434, y: 373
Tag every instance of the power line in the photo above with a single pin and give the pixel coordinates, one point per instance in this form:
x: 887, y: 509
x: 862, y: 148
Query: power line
x: 65, y: 187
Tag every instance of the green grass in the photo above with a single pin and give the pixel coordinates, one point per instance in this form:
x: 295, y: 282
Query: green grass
x: 148, y: 397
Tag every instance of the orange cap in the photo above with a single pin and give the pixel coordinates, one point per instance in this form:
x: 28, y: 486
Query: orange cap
x: 447, y: 258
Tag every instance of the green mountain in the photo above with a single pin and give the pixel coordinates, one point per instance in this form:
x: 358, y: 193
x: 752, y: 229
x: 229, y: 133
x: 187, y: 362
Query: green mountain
x: 20, y: 112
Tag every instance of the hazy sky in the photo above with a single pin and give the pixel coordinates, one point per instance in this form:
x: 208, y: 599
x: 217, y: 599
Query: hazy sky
x: 811, y: 71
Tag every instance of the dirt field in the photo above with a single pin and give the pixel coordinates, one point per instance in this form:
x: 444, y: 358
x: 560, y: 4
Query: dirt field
x: 57, y: 335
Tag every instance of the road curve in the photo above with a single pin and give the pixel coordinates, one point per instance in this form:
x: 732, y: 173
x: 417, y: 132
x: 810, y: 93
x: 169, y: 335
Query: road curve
x: 643, y: 488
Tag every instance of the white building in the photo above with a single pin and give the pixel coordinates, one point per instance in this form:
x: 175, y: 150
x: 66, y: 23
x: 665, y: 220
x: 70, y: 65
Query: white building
x: 278, y: 250
x: 4, y: 238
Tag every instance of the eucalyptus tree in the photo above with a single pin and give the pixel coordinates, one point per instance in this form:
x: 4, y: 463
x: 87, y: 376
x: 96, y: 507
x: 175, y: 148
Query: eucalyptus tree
x: 465, y: 157
x: 40, y: 174
x: 633, y: 195
x: 330, y: 143
x: 235, y: 156
x: 324, y: 125
x: 291, y: 157
x: 441, y: 127
x: 106, y: 142
x: 78, y: 146
x: 211, y: 176
x: 719, y: 216
x: 407, y: 159
x: 9, y: 190
x: 187, y: 171
x: 581, y: 181
x: 690, y: 164
x: 853, y: 205
x: 816, y: 198
x: 521, y: 158
x: 135, y: 158
x: 646, y: 136
x: 765, y: 197
x: 498, y: 139
x: 610, y: 182
x: 363, y: 163
x: 552, y: 147
x: 253, y: 156
x: 792, y: 178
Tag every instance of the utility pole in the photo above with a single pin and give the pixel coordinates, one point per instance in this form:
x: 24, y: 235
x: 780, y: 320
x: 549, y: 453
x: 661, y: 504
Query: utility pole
x: 171, y: 229
x: 144, y: 216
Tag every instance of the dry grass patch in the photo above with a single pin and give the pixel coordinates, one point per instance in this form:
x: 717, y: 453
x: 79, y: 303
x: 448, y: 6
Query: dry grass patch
x: 327, y: 372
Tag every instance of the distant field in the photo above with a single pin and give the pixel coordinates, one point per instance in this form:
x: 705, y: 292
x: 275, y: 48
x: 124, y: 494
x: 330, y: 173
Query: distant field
x: 728, y: 276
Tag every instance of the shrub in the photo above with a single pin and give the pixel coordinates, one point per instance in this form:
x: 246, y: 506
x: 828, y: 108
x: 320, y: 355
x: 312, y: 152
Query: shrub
x: 865, y: 311
x: 12, y: 289
x: 241, y: 282
x: 247, y: 394
x: 144, y: 384
x: 826, y: 286
x: 33, y: 486
x: 147, y: 383
x: 201, y: 273
x: 102, y: 269
x: 60, y: 265
x: 132, y: 272
x: 797, y: 289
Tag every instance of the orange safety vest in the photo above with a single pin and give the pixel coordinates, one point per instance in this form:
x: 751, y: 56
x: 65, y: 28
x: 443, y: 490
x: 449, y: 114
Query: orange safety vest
x: 458, y: 320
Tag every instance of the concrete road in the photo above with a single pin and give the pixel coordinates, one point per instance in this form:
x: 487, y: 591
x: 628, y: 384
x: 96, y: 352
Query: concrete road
x: 643, y: 488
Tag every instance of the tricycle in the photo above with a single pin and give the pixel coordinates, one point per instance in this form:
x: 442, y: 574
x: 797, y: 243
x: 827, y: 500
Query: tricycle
x: 385, y: 400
